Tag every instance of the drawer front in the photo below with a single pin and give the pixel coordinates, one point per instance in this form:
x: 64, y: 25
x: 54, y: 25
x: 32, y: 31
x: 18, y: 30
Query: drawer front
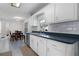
x: 56, y: 45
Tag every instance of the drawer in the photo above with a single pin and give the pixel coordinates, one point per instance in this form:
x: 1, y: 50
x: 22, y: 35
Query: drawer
x: 56, y: 45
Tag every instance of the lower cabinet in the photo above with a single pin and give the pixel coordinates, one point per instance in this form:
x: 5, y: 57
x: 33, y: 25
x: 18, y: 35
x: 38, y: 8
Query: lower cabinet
x: 54, y: 52
x: 33, y: 43
x: 55, y: 48
x: 38, y: 45
x: 47, y: 47
x: 41, y: 46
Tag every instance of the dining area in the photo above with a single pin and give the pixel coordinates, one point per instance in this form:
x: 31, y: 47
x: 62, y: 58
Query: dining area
x: 17, y: 35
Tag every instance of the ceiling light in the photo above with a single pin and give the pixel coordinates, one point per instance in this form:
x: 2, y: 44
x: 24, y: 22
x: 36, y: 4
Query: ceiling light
x: 15, y: 5
x: 18, y: 18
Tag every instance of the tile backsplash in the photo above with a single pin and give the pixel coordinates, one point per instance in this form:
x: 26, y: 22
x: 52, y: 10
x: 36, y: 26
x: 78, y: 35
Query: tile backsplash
x: 65, y: 27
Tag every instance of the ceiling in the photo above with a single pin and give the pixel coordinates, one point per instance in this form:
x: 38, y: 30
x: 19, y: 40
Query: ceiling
x: 26, y: 9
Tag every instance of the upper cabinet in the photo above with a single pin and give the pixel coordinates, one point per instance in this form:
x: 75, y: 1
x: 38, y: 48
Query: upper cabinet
x: 33, y: 21
x: 49, y: 13
x: 32, y: 24
x: 59, y: 12
x: 54, y: 13
x: 65, y: 12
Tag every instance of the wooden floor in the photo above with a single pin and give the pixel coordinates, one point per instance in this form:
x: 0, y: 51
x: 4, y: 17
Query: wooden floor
x: 19, y: 48
x: 26, y: 51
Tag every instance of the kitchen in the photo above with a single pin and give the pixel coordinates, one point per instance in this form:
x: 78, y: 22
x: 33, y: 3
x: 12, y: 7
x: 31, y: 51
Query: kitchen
x: 50, y: 29
x: 53, y: 30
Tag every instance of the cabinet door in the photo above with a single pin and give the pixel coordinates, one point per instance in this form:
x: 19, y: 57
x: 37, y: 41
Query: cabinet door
x: 30, y: 21
x: 49, y: 13
x: 35, y: 43
x: 52, y: 51
x: 31, y: 42
x: 35, y: 21
x: 55, y: 48
x: 64, y: 12
x: 41, y: 46
x: 72, y: 49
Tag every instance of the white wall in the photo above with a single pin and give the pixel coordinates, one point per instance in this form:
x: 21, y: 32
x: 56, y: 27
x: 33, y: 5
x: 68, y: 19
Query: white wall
x: 12, y: 26
x: 7, y: 26
x: 3, y: 27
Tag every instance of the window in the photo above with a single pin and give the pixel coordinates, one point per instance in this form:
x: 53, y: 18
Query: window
x: 42, y: 21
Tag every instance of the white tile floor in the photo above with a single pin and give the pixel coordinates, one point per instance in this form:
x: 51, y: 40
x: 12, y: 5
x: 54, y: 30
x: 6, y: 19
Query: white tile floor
x: 15, y: 47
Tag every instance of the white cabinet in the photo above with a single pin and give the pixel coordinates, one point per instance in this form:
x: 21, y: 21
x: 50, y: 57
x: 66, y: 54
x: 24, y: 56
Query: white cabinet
x: 65, y: 12
x: 35, y: 21
x: 32, y: 23
x: 47, y: 47
x: 4, y: 44
x: 33, y: 43
x: 41, y: 46
x: 59, y: 12
x: 51, y: 51
x: 55, y: 48
x: 72, y: 49
x: 50, y: 13
x: 38, y: 45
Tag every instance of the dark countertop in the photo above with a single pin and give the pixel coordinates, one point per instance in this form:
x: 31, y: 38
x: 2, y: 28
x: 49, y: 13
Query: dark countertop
x: 67, y: 40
